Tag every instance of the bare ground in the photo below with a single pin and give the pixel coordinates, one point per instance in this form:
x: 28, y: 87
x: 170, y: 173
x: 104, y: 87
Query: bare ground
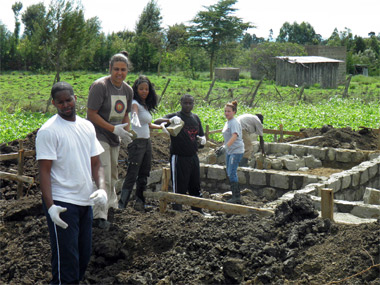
x: 293, y: 246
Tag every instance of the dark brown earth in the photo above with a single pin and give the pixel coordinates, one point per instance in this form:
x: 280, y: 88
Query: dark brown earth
x: 292, y: 246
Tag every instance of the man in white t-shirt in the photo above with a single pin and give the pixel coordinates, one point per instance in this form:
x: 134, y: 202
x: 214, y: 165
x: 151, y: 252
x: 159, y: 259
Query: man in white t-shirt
x: 68, y: 156
x: 252, y: 126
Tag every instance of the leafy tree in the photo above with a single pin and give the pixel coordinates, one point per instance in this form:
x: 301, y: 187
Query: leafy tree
x: 6, y: 39
x: 263, y: 56
x: 359, y: 44
x: 176, y: 36
x: 148, y: 42
x: 64, y: 30
x: 342, y: 38
x: 32, y: 17
x: 16, y: 7
x: 301, y: 34
x: 215, y: 28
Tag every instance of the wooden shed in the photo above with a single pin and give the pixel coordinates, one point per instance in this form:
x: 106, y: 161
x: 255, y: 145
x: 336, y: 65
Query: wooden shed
x: 308, y: 70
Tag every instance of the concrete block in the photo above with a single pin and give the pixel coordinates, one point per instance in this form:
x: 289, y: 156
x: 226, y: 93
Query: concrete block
x: 357, y: 157
x: 241, y: 176
x: 330, y: 154
x: 310, y: 179
x: 312, y: 162
x: 343, y: 155
x: 317, y: 152
x: 299, y: 150
x: 371, y: 196
x: 373, y: 156
x: 155, y: 176
x: 279, y: 181
x: 203, y: 170
x: 373, y: 170
x: 257, y: 177
x: 297, y: 181
x: 280, y: 148
x: 277, y: 164
x: 334, y: 184
x: 346, y: 181
x: 216, y: 172
x: 364, y: 176
x: 366, y: 211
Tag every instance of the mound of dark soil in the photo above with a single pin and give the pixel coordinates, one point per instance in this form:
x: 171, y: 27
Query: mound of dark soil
x: 365, y: 139
x: 293, y: 246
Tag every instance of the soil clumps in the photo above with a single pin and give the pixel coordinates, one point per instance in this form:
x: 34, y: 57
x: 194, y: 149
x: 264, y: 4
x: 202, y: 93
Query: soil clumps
x: 293, y: 246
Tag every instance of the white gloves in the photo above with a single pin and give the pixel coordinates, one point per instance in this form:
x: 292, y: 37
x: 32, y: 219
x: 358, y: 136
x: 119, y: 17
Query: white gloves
x: 121, y: 132
x: 175, y: 120
x: 99, y: 197
x: 54, y: 212
x: 163, y: 128
x: 202, y: 140
x: 135, y: 120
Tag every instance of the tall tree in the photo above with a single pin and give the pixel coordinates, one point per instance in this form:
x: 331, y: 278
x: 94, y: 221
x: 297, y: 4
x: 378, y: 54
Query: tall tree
x: 217, y: 27
x: 16, y: 7
x: 32, y: 17
x: 296, y: 33
x: 148, y: 42
x: 5, y: 47
x: 65, y: 27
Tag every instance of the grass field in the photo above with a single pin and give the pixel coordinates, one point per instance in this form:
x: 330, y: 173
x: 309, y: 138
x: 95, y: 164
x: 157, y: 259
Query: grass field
x: 24, y: 98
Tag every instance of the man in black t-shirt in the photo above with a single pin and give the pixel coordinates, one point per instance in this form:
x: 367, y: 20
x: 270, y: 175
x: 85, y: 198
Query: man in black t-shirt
x: 184, y: 161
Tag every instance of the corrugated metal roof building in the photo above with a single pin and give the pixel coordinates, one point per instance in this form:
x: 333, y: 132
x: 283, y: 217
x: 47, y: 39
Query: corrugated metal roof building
x: 308, y: 70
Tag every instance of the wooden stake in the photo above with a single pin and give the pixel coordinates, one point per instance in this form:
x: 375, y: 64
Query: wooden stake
x: 208, y: 204
x: 164, y: 187
x: 327, y: 203
x: 20, y: 169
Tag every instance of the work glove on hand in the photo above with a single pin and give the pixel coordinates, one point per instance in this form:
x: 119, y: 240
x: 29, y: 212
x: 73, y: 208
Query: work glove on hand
x: 220, y: 150
x: 202, y: 140
x: 163, y: 128
x: 54, y: 212
x: 135, y: 120
x: 99, y: 197
x: 175, y: 120
x: 121, y: 132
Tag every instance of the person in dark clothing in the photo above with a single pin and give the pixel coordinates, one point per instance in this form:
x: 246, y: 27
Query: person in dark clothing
x: 184, y: 161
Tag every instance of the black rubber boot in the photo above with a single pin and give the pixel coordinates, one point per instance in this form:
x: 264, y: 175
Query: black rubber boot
x: 235, y: 193
x: 124, y: 198
x: 244, y: 162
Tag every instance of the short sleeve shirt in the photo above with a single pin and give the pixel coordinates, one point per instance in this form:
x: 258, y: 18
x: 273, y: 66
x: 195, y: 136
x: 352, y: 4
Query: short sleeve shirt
x: 111, y: 103
x: 186, y: 143
x: 145, y: 118
x: 251, y: 124
x: 231, y: 127
x: 70, y: 146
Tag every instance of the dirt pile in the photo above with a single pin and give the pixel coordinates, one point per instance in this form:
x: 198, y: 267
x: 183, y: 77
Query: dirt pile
x: 292, y: 246
x: 365, y: 139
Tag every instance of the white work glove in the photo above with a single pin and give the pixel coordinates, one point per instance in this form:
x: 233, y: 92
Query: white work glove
x: 135, y: 120
x: 175, y: 120
x: 202, y: 140
x: 163, y: 128
x: 121, y: 132
x: 99, y: 197
x: 220, y: 150
x: 54, y: 212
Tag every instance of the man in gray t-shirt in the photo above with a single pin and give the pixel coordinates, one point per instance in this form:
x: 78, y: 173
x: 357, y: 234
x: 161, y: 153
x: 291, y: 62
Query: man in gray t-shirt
x: 252, y: 126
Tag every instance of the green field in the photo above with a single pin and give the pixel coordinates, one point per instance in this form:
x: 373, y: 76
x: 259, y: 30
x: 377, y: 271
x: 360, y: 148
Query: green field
x: 24, y: 98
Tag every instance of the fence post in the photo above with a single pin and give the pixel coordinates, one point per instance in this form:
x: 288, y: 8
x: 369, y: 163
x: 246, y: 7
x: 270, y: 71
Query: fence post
x: 207, y: 132
x: 164, y: 187
x: 281, y: 133
x: 20, y: 169
x: 327, y: 203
